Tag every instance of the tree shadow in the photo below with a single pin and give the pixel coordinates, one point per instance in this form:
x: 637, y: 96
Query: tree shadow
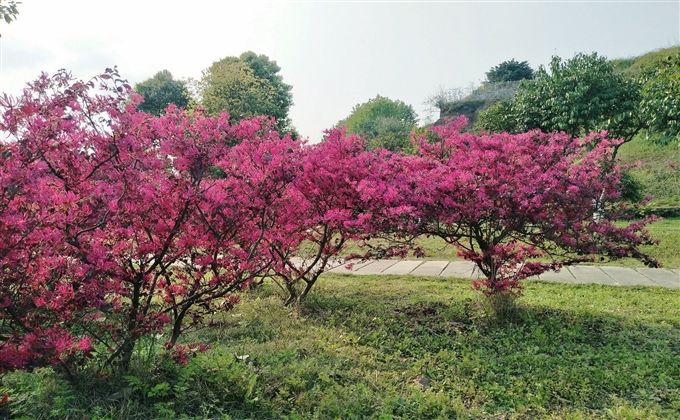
x: 545, y: 357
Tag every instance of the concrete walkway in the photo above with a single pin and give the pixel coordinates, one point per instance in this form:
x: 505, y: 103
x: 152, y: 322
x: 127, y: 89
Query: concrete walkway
x: 578, y: 274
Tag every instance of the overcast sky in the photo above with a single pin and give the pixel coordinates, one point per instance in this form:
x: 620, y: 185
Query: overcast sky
x: 335, y: 55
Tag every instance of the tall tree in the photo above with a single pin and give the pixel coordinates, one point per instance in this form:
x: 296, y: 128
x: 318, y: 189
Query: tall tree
x: 510, y: 71
x: 384, y: 122
x: 160, y: 91
x: 577, y: 96
x: 247, y: 86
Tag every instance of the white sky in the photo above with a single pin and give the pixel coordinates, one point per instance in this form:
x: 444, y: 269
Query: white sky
x: 335, y: 55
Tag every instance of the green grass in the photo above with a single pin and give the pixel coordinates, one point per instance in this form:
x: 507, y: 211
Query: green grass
x: 389, y: 347
x: 659, y: 169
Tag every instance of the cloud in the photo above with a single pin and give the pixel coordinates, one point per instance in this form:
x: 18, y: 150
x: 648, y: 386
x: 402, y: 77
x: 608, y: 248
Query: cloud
x: 24, y: 56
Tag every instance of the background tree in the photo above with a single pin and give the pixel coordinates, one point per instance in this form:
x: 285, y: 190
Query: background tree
x: 661, y: 97
x: 499, y: 118
x: 247, y: 86
x: 388, y: 133
x: 384, y: 122
x: 9, y: 12
x: 160, y: 91
x: 510, y: 71
x: 265, y: 68
x: 579, y: 96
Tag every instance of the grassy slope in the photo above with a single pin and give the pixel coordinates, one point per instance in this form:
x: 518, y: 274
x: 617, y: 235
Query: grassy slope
x: 667, y: 231
x: 634, y: 65
x: 407, y: 348
x: 659, y: 169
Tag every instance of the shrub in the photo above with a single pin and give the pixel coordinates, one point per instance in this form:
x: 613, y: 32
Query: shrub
x: 519, y: 205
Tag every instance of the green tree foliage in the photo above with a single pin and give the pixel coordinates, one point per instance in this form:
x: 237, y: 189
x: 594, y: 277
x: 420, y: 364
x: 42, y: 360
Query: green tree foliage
x: 264, y: 68
x: 247, y: 86
x: 160, y: 91
x: 9, y: 12
x: 499, y: 118
x: 579, y: 96
x: 232, y: 86
x: 388, y: 133
x: 510, y: 71
x: 384, y: 122
x: 661, y: 97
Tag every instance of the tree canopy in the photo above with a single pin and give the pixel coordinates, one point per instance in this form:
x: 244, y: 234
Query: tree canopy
x: 577, y: 96
x: 160, y: 91
x: 510, y: 71
x: 384, y: 122
x: 247, y: 86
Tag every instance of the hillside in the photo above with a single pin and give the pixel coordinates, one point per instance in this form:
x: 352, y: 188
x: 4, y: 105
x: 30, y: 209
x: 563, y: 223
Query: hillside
x: 657, y: 167
x: 634, y: 65
x: 489, y: 93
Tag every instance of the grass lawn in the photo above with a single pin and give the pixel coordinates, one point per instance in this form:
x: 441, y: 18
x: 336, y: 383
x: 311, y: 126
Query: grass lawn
x: 390, y: 347
x: 667, y: 251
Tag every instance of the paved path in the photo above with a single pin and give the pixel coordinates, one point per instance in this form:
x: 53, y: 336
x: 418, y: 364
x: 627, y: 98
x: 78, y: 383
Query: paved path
x: 579, y: 274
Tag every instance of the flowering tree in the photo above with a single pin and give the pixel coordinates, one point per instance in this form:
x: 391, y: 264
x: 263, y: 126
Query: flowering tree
x: 323, y: 210
x: 260, y: 174
x: 519, y: 205
x: 43, y: 283
x: 114, y: 230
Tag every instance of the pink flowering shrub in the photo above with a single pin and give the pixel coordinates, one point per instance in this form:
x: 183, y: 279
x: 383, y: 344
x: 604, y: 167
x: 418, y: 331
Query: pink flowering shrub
x: 43, y: 284
x: 113, y: 229
x: 519, y: 205
x: 323, y: 210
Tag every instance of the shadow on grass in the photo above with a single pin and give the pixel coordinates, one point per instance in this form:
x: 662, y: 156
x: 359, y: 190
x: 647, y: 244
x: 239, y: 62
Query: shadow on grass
x: 538, y: 358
